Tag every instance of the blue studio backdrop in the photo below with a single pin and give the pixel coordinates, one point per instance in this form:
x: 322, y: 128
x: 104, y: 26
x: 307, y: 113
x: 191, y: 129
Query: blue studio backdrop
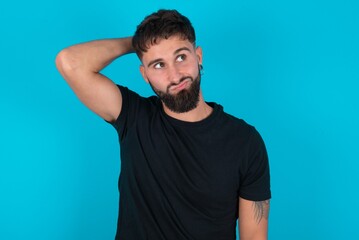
x: 290, y: 68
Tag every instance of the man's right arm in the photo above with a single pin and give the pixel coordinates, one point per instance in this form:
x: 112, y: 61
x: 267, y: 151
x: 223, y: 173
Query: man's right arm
x: 80, y: 65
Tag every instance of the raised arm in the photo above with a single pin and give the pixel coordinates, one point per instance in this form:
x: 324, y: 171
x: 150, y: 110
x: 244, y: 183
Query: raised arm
x: 253, y: 219
x: 80, y: 65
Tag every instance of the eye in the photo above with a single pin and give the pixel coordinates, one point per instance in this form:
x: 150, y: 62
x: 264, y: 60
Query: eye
x: 159, y: 65
x: 181, y: 58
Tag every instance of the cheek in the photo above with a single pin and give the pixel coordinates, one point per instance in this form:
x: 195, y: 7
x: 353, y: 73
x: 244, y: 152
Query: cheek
x: 157, y: 79
x: 191, y: 67
x: 156, y: 76
x: 193, y: 71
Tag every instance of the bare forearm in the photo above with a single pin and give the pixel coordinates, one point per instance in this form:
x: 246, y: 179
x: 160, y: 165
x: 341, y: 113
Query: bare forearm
x: 95, y: 55
x: 80, y: 65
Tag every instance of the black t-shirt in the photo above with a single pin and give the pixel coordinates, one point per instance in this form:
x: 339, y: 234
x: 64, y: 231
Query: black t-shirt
x: 182, y: 180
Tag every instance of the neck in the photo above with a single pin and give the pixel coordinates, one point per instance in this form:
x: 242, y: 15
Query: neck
x: 202, y: 111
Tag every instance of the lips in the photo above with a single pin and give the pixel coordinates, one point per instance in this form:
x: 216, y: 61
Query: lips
x: 182, y: 85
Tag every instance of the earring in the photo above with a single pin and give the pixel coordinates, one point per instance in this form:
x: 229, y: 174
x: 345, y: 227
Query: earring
x: 201, y: 71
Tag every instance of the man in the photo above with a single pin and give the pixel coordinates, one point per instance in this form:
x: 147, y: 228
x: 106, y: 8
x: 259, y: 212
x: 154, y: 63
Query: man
x: 188, y: 169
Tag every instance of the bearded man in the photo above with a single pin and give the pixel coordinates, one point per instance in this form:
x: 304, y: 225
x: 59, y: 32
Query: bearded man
x: 189, y: 170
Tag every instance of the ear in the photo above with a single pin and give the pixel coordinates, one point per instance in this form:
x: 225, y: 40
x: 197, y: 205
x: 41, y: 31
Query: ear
x: 199, y: 55
x: 143, y: 73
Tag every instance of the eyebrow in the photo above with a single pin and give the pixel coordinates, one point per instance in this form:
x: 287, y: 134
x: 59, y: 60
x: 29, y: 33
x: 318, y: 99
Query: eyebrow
x: 175, y: 52
x: 182, y: 49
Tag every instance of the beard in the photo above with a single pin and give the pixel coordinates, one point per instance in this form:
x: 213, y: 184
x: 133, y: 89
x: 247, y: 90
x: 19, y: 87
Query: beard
x: 185, y: 100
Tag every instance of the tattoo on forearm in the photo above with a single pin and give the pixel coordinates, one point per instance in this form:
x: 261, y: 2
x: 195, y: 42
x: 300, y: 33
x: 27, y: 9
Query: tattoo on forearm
x: 261, y: 209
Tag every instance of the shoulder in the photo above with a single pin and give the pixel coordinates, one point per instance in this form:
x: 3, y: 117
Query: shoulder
x: 131, y: 97
x: 237, y: 128
x: 234, y: 123
x: 134, y: 107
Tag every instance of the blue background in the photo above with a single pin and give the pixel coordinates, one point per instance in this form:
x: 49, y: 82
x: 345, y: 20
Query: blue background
x: 290, y: 68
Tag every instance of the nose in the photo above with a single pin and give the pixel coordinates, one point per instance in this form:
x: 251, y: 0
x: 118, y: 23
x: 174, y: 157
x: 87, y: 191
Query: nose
x: 174, y: 74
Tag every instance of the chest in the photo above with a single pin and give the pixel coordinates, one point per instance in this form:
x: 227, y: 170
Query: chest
x: 198, y: 166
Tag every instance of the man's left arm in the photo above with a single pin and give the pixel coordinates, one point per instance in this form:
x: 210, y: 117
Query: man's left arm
x: 253, y: 219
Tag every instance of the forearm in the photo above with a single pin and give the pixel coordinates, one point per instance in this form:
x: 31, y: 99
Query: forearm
x: 93, y: 56
x: 80, y: 65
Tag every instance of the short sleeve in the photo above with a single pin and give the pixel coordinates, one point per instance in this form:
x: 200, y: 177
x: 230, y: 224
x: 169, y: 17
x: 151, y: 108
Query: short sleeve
x: 255, y: 177
x: 127, y: 116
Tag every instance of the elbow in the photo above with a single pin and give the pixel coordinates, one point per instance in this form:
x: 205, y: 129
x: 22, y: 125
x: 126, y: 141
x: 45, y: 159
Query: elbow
x: 69, y: 66
x: 65, y: 61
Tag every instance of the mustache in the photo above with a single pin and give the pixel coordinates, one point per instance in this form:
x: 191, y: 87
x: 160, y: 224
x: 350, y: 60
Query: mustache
x: 179, y: 82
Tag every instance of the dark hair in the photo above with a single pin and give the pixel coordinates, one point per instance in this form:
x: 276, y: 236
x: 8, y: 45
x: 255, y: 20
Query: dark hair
x: 162, y: 24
